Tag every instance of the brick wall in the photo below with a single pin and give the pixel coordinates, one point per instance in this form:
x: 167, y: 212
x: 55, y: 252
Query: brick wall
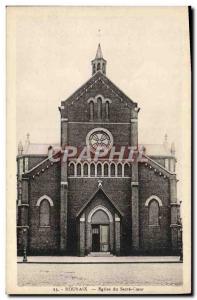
x: 154, y: 239
x: 45, y: 240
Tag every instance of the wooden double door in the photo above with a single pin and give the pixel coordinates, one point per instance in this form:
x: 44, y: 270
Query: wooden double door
x: 100, y: 238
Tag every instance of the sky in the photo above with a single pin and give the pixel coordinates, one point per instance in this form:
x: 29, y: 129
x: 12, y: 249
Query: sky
x: 147, y: 53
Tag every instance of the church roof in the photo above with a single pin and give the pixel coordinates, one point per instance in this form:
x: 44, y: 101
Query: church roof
x: 38, y: 149
x: 100, y: 189
x: 99, y: 76
x: 157, y: 150
x: 150, y: 149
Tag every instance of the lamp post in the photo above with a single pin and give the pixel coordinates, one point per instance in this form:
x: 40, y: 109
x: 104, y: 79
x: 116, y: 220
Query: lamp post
x: 24, y: 254
x: 25, y: 245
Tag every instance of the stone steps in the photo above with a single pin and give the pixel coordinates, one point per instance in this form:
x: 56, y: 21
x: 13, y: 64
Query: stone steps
x: 100, y: 254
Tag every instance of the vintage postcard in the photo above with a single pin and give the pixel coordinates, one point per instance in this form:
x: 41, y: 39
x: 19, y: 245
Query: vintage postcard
x: 98, y: 140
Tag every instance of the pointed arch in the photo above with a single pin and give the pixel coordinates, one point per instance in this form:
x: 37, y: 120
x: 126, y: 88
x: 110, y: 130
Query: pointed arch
x: 100, y: 207
x: 45, y: 197
x: 153, y: 197
x: 113, y: 169
x: 85, y: 169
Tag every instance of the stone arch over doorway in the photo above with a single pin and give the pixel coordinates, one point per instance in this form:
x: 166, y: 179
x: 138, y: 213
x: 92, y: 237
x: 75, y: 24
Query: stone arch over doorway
x: 100, y: 230
x: 101, y: 216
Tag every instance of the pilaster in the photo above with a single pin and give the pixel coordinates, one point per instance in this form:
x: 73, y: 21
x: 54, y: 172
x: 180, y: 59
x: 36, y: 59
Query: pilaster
x: 174, y: 214
x: 63, y: 211
x: 135, y: 206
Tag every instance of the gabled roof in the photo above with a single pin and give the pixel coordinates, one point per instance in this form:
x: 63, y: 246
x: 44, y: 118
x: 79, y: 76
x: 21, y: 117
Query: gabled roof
x: 99, y: 76
x: 100, y: 189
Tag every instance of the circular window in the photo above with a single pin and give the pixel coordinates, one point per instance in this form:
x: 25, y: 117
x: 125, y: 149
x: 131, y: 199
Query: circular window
x: 99, y: 139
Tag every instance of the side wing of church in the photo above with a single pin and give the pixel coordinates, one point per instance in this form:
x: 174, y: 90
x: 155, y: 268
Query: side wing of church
x: 82, y: 205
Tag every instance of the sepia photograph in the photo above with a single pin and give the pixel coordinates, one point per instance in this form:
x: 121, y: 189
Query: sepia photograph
x: 98, y: 135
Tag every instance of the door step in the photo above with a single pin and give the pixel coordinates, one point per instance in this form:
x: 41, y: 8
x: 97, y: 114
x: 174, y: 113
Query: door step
x: 100, y: 254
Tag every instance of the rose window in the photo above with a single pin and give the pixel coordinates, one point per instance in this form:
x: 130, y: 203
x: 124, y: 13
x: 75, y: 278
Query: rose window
x: 99, y: 140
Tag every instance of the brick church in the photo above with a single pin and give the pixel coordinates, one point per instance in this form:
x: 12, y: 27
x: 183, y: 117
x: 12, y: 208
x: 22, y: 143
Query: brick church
x: 81, y: 205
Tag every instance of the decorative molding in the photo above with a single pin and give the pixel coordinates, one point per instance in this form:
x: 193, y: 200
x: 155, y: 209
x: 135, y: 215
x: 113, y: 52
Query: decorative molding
x: 153, y: 197
x: 64, y: 120
x: 175, y: 225
x: 134, y: 120
x: 23, y: 226
x: 119, y: 123
x: 134, y: 183
x: 175, y: 204
x: 45, y: 197
x: 64, y: 183
x: 24, y: 204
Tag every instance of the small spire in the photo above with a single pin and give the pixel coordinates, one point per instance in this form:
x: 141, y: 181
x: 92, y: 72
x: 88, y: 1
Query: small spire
x: 165, y: 142
x: 20, y: 148
x: 99, y: 63
x: 99, y: 53
x: 27, y: 143
x: 173, y: 149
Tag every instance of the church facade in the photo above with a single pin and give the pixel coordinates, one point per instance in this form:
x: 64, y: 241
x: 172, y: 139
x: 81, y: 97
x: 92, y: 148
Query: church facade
x: 72, y: 201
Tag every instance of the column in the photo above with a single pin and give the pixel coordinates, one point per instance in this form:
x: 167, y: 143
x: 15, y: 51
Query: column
x: 117, y: 235
x: 174, y: 214
x: 135, y: 206
x: 134, y: 127
x: 63, y: 207
x: 24, y: 208
x: 64, y: 132
x: 82, y: 235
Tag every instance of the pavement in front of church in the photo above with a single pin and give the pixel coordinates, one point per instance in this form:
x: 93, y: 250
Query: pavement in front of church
x: 160, y: 272
x: 99, y: 259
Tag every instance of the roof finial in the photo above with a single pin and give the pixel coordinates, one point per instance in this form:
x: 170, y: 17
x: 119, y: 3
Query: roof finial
x: 20, y: 148
x: 173, y: 149
x: 27, y: 142
x: 165, y: 142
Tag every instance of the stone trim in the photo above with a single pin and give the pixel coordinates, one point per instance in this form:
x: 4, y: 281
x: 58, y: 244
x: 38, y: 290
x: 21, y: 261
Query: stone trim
x: 64, y: 120
x: 45, y: 197
x: 134, y: 120
x: 64, y: 183
x: 175, y: 204
x: 175, y: 225
x: 100, y: 207
x: 24, y: 204
x: 23, y: 226
x: 153, y: 197
x: 134, y: 183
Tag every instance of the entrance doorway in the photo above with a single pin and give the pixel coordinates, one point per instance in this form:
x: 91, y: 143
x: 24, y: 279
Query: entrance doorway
x: 100, y: 238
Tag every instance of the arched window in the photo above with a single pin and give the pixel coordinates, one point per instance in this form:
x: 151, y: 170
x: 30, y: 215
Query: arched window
x: 112, y: 170
x: 78, y: 169
x: 71, y: 170
x: 98, y: 66
x: 119, y: 170
x: 99, y: 170
x: 94, y: 68
x: 91, y: 110
x: 92, y: 170
x: 44, y: 213
x: 103, y: 68
x: 85, y: 169
x: 107, y: 110
x: 126, y: 170
x: 99, y: 102
x: 153, y: 212
x: 106, y: 170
